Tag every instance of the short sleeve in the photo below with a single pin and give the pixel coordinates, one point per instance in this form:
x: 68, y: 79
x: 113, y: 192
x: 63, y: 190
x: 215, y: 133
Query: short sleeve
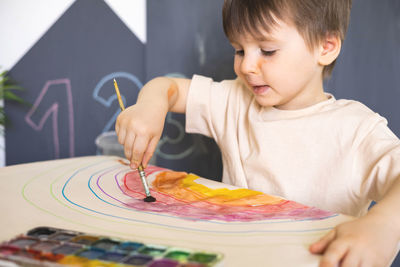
x: 206, y: 106
x: 378, y: 161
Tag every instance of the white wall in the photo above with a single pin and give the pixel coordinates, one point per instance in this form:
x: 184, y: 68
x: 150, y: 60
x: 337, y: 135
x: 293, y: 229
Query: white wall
x: 23, y: 23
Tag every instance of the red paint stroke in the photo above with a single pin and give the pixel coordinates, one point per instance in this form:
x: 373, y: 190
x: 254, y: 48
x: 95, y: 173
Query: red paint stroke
x: 203, y: 209
x: 53, y: 110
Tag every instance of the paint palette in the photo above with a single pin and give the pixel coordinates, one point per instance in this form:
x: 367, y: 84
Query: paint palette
x: 46, y: 246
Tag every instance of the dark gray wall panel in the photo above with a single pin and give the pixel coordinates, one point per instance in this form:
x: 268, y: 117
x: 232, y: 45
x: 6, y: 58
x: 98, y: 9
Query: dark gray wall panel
x: 368, y: 69
x: 77, y: 55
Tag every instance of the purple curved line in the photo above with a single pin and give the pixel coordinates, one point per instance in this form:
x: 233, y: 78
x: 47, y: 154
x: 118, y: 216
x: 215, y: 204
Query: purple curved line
x: 116, y: 181
x: 53, y: 110
x: 102, y: 190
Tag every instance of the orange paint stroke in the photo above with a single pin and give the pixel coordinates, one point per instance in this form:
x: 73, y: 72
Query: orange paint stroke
x: 171, y: 92
x: 183, y: 187
x: 123, y: 162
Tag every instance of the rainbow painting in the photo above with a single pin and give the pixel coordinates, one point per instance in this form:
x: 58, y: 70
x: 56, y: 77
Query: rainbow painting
x: 183, y: 195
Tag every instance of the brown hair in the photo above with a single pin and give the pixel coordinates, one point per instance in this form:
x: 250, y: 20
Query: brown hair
x: 314, y: 19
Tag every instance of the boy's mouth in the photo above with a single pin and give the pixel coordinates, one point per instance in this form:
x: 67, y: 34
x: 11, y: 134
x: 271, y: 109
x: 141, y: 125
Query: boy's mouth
x: 260, y: 89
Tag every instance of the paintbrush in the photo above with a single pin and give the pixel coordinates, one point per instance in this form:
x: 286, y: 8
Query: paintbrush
x: 140, y: 169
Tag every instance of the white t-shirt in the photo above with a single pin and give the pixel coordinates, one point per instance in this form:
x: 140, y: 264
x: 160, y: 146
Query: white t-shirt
x: 336, y: 155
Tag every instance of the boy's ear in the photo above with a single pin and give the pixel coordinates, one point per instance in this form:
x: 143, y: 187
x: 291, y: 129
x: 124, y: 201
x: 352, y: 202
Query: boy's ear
x: 329, y: 49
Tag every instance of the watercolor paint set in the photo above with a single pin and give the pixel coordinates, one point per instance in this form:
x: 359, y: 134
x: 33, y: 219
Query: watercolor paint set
x: 47, y: 246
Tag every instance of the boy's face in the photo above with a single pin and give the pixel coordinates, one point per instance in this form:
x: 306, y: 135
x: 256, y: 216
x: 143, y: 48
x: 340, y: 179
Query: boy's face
x: 280, y: 70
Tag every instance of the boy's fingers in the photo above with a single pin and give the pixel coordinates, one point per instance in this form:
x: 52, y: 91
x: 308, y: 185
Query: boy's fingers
x: 139, y: 146
x: 121, y: 136
x: 351, y: 259
x: 334, y: 254
x: 117, y: 125
x: 129, y: 141
x: 150, y: 151
x: 320, y: 246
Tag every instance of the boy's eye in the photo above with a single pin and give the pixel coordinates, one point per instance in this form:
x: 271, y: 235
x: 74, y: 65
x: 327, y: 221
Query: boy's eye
x: 268, y: 53
x: 239, y: 52
x: 263, y: 52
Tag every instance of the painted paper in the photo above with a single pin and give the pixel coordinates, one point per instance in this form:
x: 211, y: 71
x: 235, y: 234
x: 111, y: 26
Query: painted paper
x: 102, y: 195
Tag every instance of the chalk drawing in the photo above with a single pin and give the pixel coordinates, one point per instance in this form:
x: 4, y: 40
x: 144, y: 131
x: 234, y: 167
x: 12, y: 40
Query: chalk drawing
x: 113, y: 97
x: 53, y: 111
x: 169, y: 119
x: 181, y: 134
x: 201, y: 48
x: 168, y: 140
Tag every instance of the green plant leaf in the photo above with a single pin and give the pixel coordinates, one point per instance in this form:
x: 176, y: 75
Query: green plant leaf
x: 7, y: 85
x: 2, y: 116
x: 3, y: 74
x: 11, y: 96
x: 5, y: 79
x: 12, y: 87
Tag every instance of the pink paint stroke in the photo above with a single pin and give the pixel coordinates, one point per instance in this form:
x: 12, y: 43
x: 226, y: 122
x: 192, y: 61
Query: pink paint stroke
x: 53, y: 110
x: 204, y: 210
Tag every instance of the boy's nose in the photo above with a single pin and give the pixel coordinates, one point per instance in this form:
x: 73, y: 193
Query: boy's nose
x: 249, y: 65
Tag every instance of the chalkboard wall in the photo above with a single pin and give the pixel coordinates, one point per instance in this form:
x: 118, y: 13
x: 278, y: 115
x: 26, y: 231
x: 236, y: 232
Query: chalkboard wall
x: 67, y: 75
x: 68, y: 72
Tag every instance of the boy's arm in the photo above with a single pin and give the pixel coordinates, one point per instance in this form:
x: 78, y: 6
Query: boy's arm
x: 139, y: 127
x: 371, y: 240
x: 166, y: 90
x: 388, y: 208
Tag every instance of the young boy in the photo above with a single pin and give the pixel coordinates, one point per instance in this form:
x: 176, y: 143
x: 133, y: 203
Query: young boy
x: 277, y: 129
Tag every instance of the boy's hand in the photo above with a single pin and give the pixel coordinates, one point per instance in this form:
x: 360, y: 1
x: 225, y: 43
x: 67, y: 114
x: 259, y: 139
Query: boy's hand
x: 368, y: 241
x: 139, y: 128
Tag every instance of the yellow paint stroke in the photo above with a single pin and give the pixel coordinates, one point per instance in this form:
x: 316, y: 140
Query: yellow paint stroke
x: 182, y: 186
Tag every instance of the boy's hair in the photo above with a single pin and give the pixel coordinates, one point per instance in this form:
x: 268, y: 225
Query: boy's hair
x: 314, y: 19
